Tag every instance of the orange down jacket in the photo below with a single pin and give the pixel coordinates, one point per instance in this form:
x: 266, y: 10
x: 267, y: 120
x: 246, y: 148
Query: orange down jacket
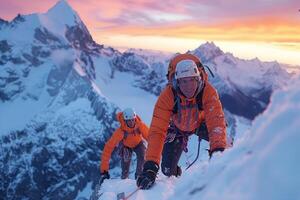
x: 134, y: 137
x: 190, y: 119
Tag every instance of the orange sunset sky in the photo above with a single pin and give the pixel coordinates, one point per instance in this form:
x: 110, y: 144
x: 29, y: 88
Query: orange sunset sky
x: 267, y: 29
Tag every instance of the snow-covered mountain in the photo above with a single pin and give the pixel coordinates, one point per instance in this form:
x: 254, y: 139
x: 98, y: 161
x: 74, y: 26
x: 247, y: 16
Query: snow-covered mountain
x: 46, y: 61
x: 245, y: 86
x: 263, y: 164
x: 54, y: 120
x: 60, y: 91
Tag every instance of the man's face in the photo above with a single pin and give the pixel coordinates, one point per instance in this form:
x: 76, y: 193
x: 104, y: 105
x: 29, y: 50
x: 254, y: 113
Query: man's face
x: 188, y: 86
x: 130, y: 123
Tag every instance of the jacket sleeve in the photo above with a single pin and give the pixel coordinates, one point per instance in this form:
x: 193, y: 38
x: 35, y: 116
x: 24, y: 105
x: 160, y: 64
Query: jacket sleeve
x: 144, y: 130
x: 159, y: 125
x: 108, y: 149
x: 214, y: 118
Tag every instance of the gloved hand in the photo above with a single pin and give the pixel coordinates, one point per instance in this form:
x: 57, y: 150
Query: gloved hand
x: 105, y: 175
x: 148, y: 176
x: 179, y: 171
x: 210, y: 152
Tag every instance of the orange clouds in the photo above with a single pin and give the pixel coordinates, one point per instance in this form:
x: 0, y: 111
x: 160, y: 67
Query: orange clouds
x: 263, y: 31
x: 256, y: 21
x: 209, y: 20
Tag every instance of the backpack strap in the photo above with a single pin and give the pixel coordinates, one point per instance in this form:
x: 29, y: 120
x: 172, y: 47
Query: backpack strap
x: 125, y: 135
x: 199, y: 99
x: 176, y: 101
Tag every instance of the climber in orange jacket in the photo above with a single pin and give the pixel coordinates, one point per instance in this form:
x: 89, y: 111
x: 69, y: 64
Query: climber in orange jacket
x: 188, y: 105
x: 130, y: 135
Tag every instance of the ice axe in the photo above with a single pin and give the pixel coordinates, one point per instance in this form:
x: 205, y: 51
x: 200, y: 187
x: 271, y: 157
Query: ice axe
x: 121, y: 196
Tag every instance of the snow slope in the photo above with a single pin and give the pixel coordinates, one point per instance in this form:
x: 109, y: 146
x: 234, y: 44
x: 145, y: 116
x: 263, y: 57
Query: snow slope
x: 121, y: 90
x: 263, y: 164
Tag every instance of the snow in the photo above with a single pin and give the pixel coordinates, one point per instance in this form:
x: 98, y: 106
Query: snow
x: 164, y: 188
x: 79, y: 69
x: 62, y: 12
x: 263, y: 164
x: 27, y: 28
x: 57, y: 17
x: 243, y: 125
x: 241, y: 73
x: 85, y: 192
x: 61, y: 57
x: 55, y: 20
x: 16, y: 114
x: 77, y: 117
x: 120, y: 91
x: 151, y: 55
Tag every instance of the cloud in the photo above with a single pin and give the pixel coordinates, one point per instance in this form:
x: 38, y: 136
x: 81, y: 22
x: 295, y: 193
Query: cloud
x: 133, y: 12
x: 10, y: 9
x: 276, y: 21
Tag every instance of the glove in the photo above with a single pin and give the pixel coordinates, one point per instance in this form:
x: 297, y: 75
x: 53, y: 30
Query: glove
x: 148, y: 176
x: 210, y: 152
x: 105, y: 175
x: 179, y: 171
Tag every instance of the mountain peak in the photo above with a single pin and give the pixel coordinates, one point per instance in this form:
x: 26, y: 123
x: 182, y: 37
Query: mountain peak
x: 18, y: 18
x: 210, y: 46
x: 62, y: 11
x: 208, y: 51
x: 2, y: 21
x: 61, y: 5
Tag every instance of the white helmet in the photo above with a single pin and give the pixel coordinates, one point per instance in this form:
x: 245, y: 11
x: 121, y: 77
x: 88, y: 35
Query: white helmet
x: 128, y: 113
x: 186, y: 68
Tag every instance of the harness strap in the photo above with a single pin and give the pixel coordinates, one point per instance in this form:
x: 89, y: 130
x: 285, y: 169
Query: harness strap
x: 124, y: 150
x: 135, y: 131
x: 175, y: 133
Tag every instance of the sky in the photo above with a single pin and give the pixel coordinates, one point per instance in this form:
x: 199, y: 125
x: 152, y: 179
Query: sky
x: 267, y: 29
